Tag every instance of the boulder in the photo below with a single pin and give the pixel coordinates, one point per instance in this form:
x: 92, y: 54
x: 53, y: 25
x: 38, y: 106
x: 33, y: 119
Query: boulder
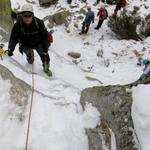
x: 58, y: 18
x: 74, y: 54
x: 19, y: 92
x: 114, y: 104
x: 5, y: 19
x: 47, y: 2
x: 61, y: 17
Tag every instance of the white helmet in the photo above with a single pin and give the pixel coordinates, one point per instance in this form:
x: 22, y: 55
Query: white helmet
x: 27, y: 8
x: 102, y: 6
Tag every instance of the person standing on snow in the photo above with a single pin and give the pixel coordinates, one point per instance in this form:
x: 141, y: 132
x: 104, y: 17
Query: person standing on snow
x: 87, y: 21
x: 145, y: 75
x: 146, y: 71
x: 120, y: 4
x: 102, y: 14
x: 30, y: 33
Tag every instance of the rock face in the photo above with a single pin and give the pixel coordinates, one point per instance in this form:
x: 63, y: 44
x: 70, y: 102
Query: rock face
x: 5, y: 18
x: 114, y: 104
x: 47, y: 2
x: 18, y: 92
x: 58, y: 18
x: 74, y: 55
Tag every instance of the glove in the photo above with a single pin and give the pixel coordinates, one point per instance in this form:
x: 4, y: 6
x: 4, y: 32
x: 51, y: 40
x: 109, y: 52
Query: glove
x: 45, y: 53
x: 9, y: 52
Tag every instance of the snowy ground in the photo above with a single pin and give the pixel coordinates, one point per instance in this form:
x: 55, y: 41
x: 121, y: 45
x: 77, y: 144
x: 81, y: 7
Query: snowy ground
x: 56, y: 124
x: 58, y: 121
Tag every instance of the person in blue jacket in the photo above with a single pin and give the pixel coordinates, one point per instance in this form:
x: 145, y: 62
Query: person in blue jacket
x: 146, y: 71
x: 87, y: 21
x: 145, y: 75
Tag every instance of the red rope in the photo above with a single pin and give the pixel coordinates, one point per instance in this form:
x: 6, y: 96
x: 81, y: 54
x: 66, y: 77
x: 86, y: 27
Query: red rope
x: 30, y: 112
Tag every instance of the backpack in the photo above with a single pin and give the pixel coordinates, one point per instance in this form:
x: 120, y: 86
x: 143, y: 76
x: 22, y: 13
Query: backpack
x: 123, y: 3
x: 15, y: 16
x: 103, y: 13
x: 50, y: 38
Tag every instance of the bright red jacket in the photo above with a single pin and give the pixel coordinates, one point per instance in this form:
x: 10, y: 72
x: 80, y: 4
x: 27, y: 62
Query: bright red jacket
x: 123, y: 3
x: 102, y: 14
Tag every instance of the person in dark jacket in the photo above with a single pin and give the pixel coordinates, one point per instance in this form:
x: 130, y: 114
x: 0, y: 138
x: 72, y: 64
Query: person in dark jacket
x: 87, y: 21
x: 30, y: 33
x: 120, y: 4
x: 102, y: 15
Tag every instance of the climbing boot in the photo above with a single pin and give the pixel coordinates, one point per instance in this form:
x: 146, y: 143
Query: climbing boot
x: 81, y: 33
x: 30, y: 58
x: 46, y: 69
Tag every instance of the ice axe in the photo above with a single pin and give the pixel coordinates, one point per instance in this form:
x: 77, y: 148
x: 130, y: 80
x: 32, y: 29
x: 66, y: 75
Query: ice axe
x: 2, y: 51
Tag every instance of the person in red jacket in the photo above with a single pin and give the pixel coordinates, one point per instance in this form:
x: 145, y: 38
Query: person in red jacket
x: 120, y: 4
x: 102, y: 15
